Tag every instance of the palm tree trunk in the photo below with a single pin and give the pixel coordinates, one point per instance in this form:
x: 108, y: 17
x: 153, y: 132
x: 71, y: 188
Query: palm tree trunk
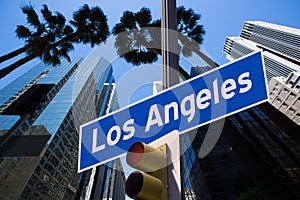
x: 68, y: 38
x: 194, y: 46
x: 13, y: 53
x: 184, y: 75
x: 5, y: 71
x: 207, y: 59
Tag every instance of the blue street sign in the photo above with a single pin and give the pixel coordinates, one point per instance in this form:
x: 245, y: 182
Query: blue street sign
x: 205, y: 98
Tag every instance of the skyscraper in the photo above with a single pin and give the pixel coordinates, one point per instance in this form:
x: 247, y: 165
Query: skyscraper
x: 54, y: 101
x: 285, y: 95
x: 252, y: 153
x: 281, y: 52
x: 280, y: 46
x: 273, y: 134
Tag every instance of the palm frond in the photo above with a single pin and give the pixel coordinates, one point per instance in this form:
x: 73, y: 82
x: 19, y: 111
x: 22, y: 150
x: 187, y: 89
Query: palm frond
x: 80, y: 16
x: 59, y: 20
x: 143, y: 17
x: 118, y: 28
x: 91, y: 25
x: 32, y: 17
x: 128, y: 20
x: 47, y: 15
x: 22, y: 32
x: 156, y: 23
x: 68, y: 30
x: 196, y: 33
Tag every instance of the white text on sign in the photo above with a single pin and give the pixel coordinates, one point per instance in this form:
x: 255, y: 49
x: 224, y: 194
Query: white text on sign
x: 187, y: 108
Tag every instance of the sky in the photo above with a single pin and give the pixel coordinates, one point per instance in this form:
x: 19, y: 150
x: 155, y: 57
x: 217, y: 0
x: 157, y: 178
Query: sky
x: 220, y: 18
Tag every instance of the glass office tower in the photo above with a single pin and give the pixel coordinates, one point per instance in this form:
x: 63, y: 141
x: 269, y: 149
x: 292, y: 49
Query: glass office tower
x: 53, y: 102
x: 281, y: 52
x: 273, y: 135
x: 253, y: 153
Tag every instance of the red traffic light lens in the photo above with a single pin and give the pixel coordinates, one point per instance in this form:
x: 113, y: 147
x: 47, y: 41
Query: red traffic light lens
x: 135, y: 154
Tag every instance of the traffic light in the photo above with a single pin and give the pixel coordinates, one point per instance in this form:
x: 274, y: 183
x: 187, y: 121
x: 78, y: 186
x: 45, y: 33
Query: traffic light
x: 150, y: 183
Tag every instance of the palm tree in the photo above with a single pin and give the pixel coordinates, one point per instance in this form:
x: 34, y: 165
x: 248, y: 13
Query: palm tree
x: 40, y: 34
x: 133, y: 43
x: 23, y: 32
x: 191, y: 34
x: 90, y: 27
x: 138, y: 42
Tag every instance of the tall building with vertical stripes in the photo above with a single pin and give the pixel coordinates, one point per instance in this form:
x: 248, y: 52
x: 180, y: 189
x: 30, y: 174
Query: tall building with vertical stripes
x: 280, y: 46
x: 52, y: 102
x: 253, y: 155
x: 281, y: 52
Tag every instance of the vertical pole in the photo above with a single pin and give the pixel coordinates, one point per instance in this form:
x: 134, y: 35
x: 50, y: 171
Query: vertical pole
x: 169, y: 44
x: 170, y: 71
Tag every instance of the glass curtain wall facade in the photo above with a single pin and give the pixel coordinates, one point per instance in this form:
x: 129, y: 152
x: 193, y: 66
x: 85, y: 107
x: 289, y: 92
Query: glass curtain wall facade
x: 257, y: 149
x: 281, y: 49
x: 252, y: 153
x: 273, y: 135
x: 193, y: 182
x: 54, y: 101
x: 220, y: 174
x: 105, y: 181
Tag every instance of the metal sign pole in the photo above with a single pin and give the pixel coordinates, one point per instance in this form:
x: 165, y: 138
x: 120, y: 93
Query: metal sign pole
x: 169, y: 44
x: 170, y: 71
